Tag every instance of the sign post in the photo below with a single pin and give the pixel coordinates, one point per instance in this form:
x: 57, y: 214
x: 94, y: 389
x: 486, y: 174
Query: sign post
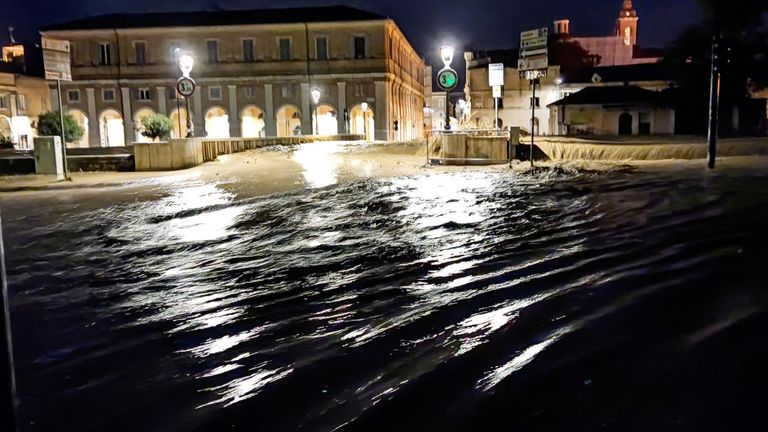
x: 447, y: 79
x: 57, y: 67
x: 496, y: 81
x: 533, y: 64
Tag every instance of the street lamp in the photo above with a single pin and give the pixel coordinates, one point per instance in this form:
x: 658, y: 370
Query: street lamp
x: 315, y: 92
x: 186, y: 87
x: 446, y: 53
x: 364, y: 106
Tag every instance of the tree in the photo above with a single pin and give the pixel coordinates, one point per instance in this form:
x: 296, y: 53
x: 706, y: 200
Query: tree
x: 155, y: 126
x: 48, y: 124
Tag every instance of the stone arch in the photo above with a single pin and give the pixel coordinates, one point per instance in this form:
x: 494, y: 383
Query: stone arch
x: 179, y: 122
x: 288, y: 119
x: 625, y: 124
x: 216, y: 122
x: 137, y: 117
x: 326, y: 119
x: 82, y: 120
x: 252, y: 122
x: 111, y: 128
x: 362, y: 123
x: 5, y: 127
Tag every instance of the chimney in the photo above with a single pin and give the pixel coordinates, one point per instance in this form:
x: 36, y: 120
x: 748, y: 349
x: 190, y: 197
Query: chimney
x: 563, y: 27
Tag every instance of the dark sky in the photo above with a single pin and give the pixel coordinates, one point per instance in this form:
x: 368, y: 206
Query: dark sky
x: 483, y: 24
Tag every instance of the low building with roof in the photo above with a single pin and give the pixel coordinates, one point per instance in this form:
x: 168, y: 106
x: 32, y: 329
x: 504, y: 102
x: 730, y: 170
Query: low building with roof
x: 23, y: 93
x: 615, y: 110
x: 255, y: 70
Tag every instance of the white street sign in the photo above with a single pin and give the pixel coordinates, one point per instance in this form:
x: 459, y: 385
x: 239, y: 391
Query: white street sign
x: 534, y: 53
x: 497, y: 91
x: 56, y: 59
x: 532, y: 63
x: 496, y: 74
x: 533, y: 34
x: 539, y: 42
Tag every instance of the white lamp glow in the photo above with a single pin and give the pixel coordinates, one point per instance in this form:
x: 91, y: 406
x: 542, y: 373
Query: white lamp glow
x: 315, y: 95
x: 364, y: 106
x: 185, y: 64
x: 446, y: 53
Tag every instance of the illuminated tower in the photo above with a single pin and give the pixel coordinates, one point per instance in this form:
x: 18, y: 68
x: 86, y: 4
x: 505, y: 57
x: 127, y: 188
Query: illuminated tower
x: 626, y: 26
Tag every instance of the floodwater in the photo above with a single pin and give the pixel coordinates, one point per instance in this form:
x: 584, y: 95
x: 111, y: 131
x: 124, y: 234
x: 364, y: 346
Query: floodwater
x: 628, y: 300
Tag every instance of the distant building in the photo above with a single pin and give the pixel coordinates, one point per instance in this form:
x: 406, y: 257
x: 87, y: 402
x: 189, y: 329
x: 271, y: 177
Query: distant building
x: 254, y: 69
x: 23, y: 93
x: 619, y: 49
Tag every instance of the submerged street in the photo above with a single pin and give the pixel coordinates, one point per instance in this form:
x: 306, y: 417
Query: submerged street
x: 411, y: 299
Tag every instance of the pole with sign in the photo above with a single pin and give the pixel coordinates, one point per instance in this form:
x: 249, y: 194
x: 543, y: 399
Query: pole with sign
x: 447, y: 80
x: 57, y: 67
x: 533, y: 64
x: 496, y: 81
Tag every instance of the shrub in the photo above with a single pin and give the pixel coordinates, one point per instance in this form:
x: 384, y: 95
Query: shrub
x: 48, y: 124
x: 155, y: 126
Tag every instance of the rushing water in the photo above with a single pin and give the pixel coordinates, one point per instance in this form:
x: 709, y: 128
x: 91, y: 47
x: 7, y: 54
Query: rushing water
x: 461, y: 301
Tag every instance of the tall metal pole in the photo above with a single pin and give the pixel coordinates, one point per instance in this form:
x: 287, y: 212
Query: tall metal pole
x: 178, y: 111
x: 61, y: 126
x: 533, y: 117
x: 8, y: 421
x: 447, y: 112
x: 315, y: 121
x: 714, y: 101
x: 190, y: 131
x: 496, y: 115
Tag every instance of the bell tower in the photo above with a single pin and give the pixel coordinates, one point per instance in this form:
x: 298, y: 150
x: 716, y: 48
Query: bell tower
x: 626, y: 25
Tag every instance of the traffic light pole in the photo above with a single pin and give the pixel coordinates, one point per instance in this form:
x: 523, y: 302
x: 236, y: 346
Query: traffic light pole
x: 714, y: 101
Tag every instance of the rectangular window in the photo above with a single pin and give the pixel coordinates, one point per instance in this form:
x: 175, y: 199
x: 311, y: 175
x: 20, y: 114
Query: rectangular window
x: 285, y: 48
x: 535, y: 102
x: 214, y: 93
x: 321, y: 48
x: 3, y: 102
x: 144, y: 94
x: 140, y: 48
x: 359, y: 47
x: 174, y: 50
x: 248, y: 92
x: 285, y: 91
x: 105, y: 54
x: 359, y: 90
x: 108, y: 95
x: 73, y: 96
x: 248, y: 50
x: 21, y: 102
x: 213, y: 50
x: 173, y: 93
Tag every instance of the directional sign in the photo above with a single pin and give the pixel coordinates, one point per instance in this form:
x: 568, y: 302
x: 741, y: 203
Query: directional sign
x: 447, y: 79
x: 533, y: 34
x: 56, y: 59
x: 534, y: 53
x: 496, y: 74
x: 534, y: 43
x: 533, y: 63
x: 497, y: 91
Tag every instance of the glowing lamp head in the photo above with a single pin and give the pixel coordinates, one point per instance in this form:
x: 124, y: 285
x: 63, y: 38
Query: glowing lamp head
x: 446, y: 53
x: 315, y: 95
x: 185, y: 64
x: 364, y: 106
x: 559, y: 80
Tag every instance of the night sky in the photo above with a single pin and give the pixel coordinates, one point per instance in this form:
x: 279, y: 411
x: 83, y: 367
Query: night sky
x: 487, y: 24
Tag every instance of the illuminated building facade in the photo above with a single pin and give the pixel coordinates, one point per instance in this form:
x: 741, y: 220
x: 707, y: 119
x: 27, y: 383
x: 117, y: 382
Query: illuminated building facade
x: 255, y: 71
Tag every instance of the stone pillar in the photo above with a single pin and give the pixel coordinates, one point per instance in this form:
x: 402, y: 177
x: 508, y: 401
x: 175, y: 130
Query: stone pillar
x: 306, y: 110
x: 270, y: 121
x: 342, y: 87
x: 198, y: 121
x: 161, y: 99
x: 383, y: 114
x: 129, y: 133
x: 93, y: 118
x: 234, y: 113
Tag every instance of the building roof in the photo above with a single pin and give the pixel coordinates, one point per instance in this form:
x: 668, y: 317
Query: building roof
x: 218, y: 18
x: 620, y: 74
x: 614, y: 95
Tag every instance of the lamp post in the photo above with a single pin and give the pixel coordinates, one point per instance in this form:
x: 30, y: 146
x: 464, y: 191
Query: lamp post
x: 315, y: 92
x: 364, y: 106
x: 186, y: 87
x: 446, y: 54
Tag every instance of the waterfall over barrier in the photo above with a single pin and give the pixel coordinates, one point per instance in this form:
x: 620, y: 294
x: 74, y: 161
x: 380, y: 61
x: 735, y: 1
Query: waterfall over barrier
x: 567, y: 148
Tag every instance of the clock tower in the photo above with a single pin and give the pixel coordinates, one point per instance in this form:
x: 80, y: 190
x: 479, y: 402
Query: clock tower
x: 626, y: 25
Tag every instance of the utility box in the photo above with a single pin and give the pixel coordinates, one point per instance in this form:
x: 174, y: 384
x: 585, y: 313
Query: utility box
x: 48, y: 156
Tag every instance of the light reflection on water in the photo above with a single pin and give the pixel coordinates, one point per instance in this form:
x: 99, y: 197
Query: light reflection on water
x: 306, y: 310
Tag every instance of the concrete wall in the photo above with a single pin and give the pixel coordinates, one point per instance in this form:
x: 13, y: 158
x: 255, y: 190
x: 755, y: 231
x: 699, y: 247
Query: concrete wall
x: 599, y: 120
x: 171, y: 155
